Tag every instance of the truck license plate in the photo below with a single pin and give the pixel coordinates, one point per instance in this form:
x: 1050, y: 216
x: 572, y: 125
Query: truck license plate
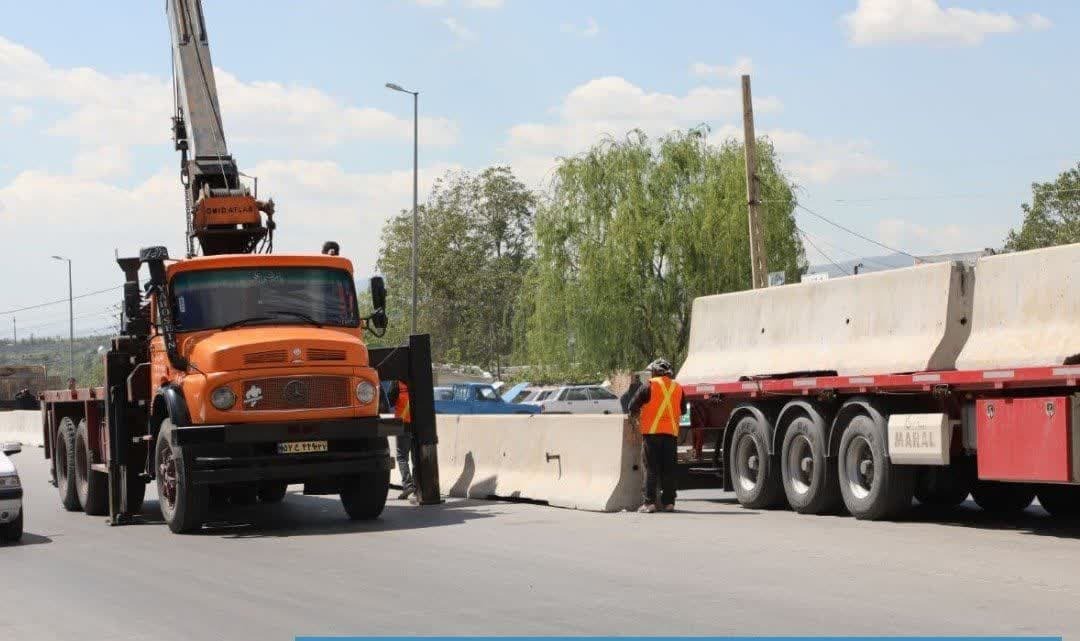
x: 301, y: 447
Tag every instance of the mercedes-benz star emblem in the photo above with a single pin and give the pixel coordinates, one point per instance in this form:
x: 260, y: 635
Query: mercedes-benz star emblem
x: 295, y: 392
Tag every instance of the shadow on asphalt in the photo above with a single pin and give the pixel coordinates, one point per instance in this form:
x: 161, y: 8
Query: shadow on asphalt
x: 28, y: 538
x: 1033, y: 520
x: 300, y: 515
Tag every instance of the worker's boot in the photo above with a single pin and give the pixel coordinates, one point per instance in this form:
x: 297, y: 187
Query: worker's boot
x: 669, y: 508
x: 406, y: 492
x: 647, y: 508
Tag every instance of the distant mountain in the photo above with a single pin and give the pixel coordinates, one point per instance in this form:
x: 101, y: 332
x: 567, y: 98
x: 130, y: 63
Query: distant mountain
x: 891, y: 261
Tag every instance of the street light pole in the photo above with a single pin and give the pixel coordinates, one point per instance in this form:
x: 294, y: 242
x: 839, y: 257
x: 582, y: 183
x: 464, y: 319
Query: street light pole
x: 415, y: 194
x: 71, y: 320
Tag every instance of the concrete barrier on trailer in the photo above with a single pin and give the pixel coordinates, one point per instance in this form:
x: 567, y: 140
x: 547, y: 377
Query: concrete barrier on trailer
x: 1027, y: 310
x: 23, y: 426
x: 903, y: 320
x: 586, y: 462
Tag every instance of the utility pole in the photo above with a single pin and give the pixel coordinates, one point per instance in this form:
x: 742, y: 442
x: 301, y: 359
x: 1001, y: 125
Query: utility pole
x: 415, y: 178
x: 14, y: 332
x: 759, y: 269
x: 71, y: 318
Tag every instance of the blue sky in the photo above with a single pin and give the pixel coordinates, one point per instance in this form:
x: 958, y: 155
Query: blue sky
x: 920, y: 123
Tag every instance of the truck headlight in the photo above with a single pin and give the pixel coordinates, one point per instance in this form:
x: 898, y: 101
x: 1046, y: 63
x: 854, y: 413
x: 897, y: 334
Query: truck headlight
x: 223, y: 398
x: 10, y: 481
x: 365, y: 392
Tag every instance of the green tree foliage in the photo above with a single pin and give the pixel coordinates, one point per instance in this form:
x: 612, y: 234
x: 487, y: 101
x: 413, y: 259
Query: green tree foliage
x: 476, y: 245
x: 633, y: 233
x: 1053, y: 217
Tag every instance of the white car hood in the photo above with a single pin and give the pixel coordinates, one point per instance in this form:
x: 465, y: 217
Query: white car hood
x: 6, y: 466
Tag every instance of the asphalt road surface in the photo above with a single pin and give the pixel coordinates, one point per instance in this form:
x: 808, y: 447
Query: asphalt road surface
x: 476, y: 567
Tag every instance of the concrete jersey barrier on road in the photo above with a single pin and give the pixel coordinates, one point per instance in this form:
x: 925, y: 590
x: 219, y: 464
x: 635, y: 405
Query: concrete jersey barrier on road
x: 1027, y: 310
x: 902, y: 320
x: 586, y: 462
x: 23, y: 426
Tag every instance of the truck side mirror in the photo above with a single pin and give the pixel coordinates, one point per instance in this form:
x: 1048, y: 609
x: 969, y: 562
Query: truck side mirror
x: 378, y: 301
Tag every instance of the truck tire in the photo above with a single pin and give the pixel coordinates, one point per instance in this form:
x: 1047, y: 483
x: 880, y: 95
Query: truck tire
x: 1003, y: 498
x: 183, y: 504
x: 873, y: 488
x: 754, y: 473
x: 364, y: 495
x: 64, y: 461
x: 1062, y: 501
x: 12, y: 531
x: 273, y: 492
x: 947, y: 486
x: 92, y: 487
x: 810, y: 483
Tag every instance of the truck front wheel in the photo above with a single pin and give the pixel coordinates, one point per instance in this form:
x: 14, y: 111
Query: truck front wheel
x: 873, y: 488
x: 183, y: 504
x: 754, y: 473
x: 364, y: 495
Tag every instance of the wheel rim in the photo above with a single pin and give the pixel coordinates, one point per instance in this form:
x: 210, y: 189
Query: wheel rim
x: 166, y: 476
x: 800, y: 461
x: 859, y: 467
x: 747, y: 463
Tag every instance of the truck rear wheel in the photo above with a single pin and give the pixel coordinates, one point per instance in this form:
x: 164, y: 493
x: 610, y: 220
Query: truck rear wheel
x: 1003, y: 498
x: 754, y: 473
x: 64, y: 462
x: 92, y: 487
x: 183, y: 504
x: 1060, y: 500
x: 809, y: 481
x: 873, y: 488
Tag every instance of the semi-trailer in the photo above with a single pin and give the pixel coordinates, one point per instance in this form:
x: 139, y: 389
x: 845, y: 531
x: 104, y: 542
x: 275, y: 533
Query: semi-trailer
x: 933, y: 382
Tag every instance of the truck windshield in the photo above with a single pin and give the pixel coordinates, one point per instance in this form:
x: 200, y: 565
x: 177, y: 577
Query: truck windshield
x: 281, y: 295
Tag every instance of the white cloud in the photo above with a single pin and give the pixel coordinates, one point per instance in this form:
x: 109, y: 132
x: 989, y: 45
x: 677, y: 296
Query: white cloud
x: 884, y: 21
x: 813, y: 160
x: 460, y: 31
x: 588, y: 30
x: 133, y: 109
x: 430, y: 3
x: 613, y: 105
x: 19, y: 115
x: 935, y: 239
x: 108, y: 161
x: 742, y: 65
x: 484, y: 4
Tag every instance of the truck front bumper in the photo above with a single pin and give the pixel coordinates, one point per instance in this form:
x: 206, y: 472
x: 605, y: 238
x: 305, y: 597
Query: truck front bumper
x: 247, y: 452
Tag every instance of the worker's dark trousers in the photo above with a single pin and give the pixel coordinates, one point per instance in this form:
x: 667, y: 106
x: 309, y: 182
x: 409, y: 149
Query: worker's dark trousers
x: 659, y: 468
x: 404, y: 450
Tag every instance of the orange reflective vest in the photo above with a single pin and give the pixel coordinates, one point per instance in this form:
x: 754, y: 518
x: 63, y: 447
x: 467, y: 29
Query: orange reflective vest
x: 402, y: 409
x: 661, y: 414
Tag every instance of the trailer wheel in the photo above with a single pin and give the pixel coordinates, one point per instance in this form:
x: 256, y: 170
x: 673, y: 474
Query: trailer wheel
x: 873, y: 488
x: 810, y: 483
x: 754, y: 473
x: 947, y: 486
x: 12, y: 531
x: 1003, y: 498
x: 273, y: 492
x: 64, y: 460
x: 183, y: 504
x: 93, y: 487
x: 1060, y: 500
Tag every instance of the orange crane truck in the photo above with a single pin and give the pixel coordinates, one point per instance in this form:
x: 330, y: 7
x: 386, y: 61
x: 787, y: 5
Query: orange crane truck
x: 237, y: 372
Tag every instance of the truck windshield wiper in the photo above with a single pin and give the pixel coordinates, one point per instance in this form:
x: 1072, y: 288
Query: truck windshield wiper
x: 302, y: 316
x: 245, y: 321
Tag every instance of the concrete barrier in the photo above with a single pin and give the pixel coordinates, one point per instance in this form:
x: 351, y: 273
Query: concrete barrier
x: 586, y: 462
x: 23, y: 426
x: 1027, y: 310
x: 903, y: 320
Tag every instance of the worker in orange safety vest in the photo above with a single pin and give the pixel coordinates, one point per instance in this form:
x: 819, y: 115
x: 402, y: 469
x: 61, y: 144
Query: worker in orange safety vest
x: 399, y: 399
x: 658, y: 405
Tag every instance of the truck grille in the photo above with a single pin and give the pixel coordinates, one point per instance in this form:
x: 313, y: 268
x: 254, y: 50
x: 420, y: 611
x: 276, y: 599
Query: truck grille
x: 315, y: 354
x: 295, y: 393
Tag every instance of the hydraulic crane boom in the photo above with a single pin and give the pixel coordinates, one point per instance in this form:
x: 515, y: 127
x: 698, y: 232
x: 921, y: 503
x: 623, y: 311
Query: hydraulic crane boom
x: 221, y: 212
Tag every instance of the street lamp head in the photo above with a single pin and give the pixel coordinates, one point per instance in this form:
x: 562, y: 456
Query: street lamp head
x: 393, y: 86
x: 59, y: 258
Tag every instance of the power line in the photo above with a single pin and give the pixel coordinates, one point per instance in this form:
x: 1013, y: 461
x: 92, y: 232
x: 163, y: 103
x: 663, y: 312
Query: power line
x: 827, y: 257
x: 854, y: 233
x: 59, y: 301
x: 846, y: 251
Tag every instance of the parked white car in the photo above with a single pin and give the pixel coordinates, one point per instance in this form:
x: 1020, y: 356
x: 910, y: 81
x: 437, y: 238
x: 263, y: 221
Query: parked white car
x: 579, y: 399
x: 11, y: 495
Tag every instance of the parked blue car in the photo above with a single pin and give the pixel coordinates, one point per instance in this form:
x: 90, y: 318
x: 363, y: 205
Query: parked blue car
x: 476, y: 398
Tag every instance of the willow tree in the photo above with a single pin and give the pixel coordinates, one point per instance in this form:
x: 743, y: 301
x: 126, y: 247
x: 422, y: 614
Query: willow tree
x: 1053, y: 217
x: 633, y: 232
